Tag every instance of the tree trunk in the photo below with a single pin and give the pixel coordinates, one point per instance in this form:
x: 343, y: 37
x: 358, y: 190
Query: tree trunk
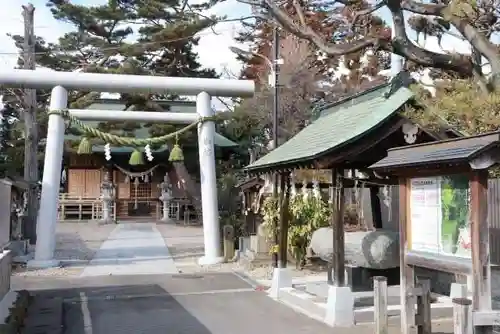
x: 30, y: 128
x: 191, y: 189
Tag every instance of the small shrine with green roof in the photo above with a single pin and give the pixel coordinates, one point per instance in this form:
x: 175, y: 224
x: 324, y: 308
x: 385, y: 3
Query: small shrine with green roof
x: 336, y: 150
x: 135, y: 178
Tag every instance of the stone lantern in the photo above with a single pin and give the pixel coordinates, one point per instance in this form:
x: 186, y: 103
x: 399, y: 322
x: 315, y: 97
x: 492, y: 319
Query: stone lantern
x: 107, y: 198
x: 166, y: 196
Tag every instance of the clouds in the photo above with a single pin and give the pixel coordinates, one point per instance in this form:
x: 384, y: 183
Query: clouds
x: 12, y: 23
x: 213, y: 45
x: 214, y: 48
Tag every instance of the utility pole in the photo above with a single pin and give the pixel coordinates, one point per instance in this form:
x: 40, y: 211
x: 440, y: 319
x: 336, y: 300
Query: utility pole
x: 275, y: 71
x: 30, y: 127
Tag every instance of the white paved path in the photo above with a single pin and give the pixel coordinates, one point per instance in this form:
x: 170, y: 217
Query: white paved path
x: 132, y: 249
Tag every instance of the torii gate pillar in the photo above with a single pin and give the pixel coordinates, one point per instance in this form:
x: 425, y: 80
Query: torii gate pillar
x: 209, y: 205
x: 51, y: 181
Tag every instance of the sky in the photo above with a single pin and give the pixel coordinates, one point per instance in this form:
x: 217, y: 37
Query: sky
x: 46, y: 26
x: 213, y: 47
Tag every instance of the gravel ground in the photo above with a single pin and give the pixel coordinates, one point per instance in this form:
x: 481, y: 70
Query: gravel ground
x: 186, y: 246
x: 80, y: 241
x: 76, y: 244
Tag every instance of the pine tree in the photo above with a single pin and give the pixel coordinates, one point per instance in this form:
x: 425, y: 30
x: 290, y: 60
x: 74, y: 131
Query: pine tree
x: 164, y: 45
x: 103, y: 41
x: 8, y: 142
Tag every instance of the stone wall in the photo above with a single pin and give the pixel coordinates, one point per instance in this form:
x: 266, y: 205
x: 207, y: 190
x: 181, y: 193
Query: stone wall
x: 5, y: 272
x: 5, y: 211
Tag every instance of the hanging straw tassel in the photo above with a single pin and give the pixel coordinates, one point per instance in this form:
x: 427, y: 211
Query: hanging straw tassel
x: 85, y: 146
x: 136, y: 158
x: 176, y: 153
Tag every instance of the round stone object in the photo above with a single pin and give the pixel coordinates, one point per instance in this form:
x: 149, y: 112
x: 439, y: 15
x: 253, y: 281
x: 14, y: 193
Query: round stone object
x: 377, y: 249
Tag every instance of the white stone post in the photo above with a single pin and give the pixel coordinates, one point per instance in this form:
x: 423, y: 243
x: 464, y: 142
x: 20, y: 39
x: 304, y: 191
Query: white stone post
x: 209, y: 205
x: 166, y: 209
x: 47, y: 215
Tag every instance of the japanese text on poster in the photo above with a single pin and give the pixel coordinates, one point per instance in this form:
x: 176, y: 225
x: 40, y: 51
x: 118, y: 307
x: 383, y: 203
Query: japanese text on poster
x: 439, y: 208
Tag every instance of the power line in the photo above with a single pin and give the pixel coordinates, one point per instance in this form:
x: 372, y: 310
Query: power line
x: 116, y: 48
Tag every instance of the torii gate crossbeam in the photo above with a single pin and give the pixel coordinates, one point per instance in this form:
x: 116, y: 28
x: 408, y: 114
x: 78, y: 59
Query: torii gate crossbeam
x: 60, y: 82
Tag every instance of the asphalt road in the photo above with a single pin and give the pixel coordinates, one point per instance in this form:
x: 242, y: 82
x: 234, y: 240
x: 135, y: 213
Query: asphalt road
x: 219, y: 303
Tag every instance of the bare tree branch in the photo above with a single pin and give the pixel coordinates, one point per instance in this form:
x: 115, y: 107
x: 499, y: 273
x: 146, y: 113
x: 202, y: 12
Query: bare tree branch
x: 423, y: 8
x: 366, y: 11
x: 400, y: 43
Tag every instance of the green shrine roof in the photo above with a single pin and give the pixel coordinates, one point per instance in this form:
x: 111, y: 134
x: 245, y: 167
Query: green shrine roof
x: 339, y: 124
x: 143, y: 132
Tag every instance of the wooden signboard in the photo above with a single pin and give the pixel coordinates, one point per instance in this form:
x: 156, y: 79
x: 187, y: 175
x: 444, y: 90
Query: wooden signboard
x: 307, y: 175
x: 443, y: 217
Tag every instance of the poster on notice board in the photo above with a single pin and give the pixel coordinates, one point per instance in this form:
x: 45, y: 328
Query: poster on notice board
x: 439, y: 210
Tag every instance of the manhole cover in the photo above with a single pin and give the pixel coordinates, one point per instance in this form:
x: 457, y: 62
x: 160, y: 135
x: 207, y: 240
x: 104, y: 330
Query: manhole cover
x: 187, y: 276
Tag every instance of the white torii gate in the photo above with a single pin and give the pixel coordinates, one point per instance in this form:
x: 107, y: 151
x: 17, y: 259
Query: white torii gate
x: 60, y: 82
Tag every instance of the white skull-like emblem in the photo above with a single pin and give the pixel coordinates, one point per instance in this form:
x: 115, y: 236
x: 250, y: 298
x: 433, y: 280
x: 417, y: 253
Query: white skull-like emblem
x: 410, y: 132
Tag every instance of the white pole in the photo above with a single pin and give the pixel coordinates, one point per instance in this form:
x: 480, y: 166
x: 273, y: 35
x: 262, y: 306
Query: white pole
x: 133, y: 116
x: 124, y: 83
x: 209, y: 205
x: 47, y: 216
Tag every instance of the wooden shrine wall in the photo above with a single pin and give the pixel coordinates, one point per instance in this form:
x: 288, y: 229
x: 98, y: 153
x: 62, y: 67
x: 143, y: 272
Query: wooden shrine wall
x: 79, y: 161
x: 84, y: 182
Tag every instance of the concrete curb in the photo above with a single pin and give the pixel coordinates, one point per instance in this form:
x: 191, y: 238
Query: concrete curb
x: 247, y: 279
x: 307, y: 304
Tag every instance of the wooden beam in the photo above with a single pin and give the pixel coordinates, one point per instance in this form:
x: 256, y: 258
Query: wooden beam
x: 407, y: 275
x: 376, y: 209
x: 430, y: 169
x: 284, y: 199
x: 424, y: 319
x: 338, y: 256
x: 481, y: 271
x: 380, y: 304
x: 462, y: 316
x: 450, y: 264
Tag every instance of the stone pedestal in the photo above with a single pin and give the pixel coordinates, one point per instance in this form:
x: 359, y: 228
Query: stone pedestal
x: 281, y: 279
x: 107, y: 198
x: 166, y: 196
x: 258, y: 242
x: 340, y: 306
